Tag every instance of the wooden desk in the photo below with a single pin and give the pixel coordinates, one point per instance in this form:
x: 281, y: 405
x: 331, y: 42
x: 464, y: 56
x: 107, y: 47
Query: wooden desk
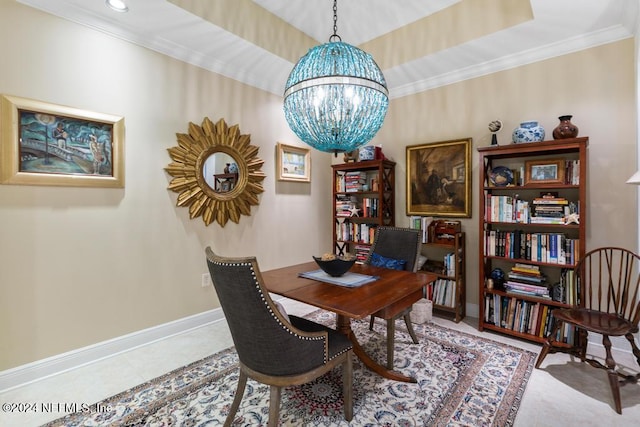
x: 350, y: 303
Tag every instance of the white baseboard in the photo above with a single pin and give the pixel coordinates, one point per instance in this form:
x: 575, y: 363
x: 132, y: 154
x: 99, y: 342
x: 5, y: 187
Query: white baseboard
x: 22, y: 375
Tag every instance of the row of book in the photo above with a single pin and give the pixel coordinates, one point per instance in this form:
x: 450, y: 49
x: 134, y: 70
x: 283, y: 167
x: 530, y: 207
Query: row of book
x: 572, y: 172
x: 346, y: 206
x: 355, y: 232
x: 442, y: 292
x: 422, y: 223
x: 552, y: 248
x: 523, y: 316
x: 543, y: 210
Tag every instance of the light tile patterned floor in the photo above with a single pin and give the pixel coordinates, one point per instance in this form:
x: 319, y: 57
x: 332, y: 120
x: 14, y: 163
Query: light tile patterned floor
x: 562, y: 393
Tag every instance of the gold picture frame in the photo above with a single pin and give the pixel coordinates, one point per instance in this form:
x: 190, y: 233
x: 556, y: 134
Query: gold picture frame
x: 439, y: 179
x: 544, y: 172
x: 293, y: 163
x: 48, y: 144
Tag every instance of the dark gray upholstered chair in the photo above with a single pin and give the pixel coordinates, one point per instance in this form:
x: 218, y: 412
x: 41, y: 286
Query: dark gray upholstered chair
x: 272, y: 348
x: 608, y: 293
x: 400, y: 244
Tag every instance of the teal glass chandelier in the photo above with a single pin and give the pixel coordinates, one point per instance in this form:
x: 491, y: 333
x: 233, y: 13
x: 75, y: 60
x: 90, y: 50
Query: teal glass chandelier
x: 336, y: 97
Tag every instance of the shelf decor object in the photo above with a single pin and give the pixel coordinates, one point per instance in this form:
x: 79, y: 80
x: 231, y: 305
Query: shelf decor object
x: 48, y: 144
x: 565, y: 129
x: 336, y: 97
x: 529, y: 131
x: 199, y: 154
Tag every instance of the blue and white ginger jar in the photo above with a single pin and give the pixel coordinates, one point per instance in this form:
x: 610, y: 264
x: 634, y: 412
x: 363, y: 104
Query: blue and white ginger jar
x: 233, y: 168
x: 529, y: 131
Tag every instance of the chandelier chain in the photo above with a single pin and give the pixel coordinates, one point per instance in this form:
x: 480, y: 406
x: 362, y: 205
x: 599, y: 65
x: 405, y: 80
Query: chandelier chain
x: 335, y: 23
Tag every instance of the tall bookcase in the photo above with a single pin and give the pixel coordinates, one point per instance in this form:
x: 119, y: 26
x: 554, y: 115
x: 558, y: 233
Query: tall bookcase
x: 363, y: 198
x: 523, y: 190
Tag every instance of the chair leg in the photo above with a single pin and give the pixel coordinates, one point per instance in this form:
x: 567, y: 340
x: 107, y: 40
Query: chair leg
x: 614, y: 383
x: 391, y: 333
x: 347, y: 387
x: 634, y: 347
x: 583, y: 342
x: 371, y: 323
x: 242, y: 382
x: 548, y: 344
x: 274, y: 406
x: 407, y: 321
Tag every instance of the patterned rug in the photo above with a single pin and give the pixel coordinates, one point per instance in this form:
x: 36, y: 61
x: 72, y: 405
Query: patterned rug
x: 462, y: 380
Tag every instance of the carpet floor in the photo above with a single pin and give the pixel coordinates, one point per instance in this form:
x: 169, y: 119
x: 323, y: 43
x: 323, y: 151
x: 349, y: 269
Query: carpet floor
x: 461, y: 380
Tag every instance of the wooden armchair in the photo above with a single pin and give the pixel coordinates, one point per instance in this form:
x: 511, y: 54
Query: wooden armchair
x: 608, y: 304
x: 403, y: 245
x: 274, y: 348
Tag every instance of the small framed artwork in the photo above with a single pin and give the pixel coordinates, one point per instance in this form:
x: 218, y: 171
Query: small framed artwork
x: 48, y: 144
x: 439, y: 179
x: 293, y: 163
x: 544, y: 172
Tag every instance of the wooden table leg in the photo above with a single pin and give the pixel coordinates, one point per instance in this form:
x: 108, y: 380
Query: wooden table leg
x: 344, y: 326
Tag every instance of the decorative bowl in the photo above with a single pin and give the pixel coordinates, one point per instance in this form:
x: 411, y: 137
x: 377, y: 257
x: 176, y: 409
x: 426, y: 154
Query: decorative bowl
x: 335, y: 267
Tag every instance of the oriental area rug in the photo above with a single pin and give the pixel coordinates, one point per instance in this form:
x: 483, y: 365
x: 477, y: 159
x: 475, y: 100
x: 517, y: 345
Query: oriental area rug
x: 462, y: 380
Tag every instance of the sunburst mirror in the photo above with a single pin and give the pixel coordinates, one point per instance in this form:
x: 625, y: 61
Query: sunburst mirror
x: 216, y: 171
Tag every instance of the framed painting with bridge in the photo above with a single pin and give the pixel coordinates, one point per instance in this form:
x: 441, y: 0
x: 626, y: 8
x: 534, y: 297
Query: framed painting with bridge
x: 48, y: 144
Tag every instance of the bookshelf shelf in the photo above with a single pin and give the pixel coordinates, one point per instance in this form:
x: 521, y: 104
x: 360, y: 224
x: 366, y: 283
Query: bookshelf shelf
x: 368, y: 188
x: 511, y: 237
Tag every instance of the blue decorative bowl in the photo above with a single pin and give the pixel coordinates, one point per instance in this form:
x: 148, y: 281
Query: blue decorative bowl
x: 335, y: 267
x: 529, y: 131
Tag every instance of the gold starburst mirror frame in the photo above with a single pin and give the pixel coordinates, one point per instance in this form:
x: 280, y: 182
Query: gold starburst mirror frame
x: 216, y: 199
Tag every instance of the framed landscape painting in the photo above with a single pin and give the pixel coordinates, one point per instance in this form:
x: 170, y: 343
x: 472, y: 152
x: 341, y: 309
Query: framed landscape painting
x: 293, y: 163
x: 439, y: 179
x: 48, y: 144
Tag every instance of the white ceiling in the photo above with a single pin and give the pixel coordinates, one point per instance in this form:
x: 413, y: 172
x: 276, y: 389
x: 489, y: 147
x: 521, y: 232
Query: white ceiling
x: 556, y: 28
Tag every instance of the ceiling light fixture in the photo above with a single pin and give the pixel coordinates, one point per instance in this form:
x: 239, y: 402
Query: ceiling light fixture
x: 117, y: 5
x: 336, y: 97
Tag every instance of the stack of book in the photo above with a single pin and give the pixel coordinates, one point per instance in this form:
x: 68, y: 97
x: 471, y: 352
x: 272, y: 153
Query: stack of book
x: 354, y: 181
x: 526, y: 279
x: 344, y: 205
x: 549, y: 210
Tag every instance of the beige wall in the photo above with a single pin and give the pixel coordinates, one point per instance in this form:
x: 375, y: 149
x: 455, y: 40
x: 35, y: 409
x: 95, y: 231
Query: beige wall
x: 83, y: 265
x: 596, y: 86
x: 79, y: 266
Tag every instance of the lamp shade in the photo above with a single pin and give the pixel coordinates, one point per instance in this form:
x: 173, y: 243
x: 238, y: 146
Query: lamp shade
x: 336, y: 97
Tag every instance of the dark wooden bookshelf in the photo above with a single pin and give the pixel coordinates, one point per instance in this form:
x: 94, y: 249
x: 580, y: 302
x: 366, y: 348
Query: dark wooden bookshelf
x: 378, y: 189
x: 514, y: 156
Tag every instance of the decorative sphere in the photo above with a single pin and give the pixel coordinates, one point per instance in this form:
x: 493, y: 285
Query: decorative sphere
x: 336, y: 98
x: 495, y: 126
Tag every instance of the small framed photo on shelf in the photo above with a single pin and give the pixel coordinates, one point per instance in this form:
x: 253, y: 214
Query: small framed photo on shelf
x: 544, y: 172
x: 293, y: 163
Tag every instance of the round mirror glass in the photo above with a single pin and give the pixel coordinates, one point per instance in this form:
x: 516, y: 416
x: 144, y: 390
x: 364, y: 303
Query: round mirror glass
x: 220, y: 172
